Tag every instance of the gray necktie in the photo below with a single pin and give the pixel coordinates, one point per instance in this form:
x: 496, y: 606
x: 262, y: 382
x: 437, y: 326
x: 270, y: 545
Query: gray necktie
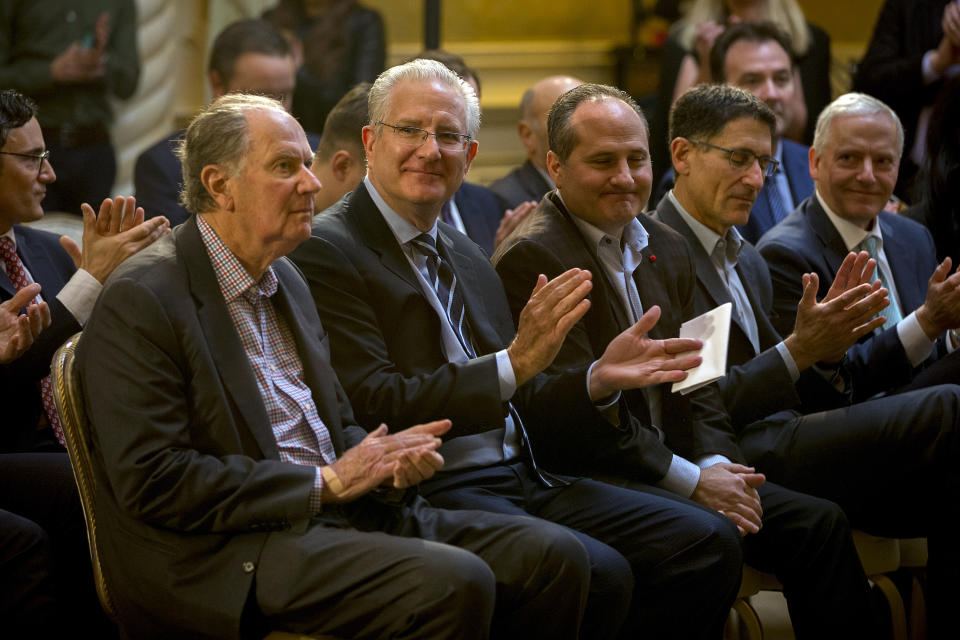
x: 444, y: 281
x: 892, y: 311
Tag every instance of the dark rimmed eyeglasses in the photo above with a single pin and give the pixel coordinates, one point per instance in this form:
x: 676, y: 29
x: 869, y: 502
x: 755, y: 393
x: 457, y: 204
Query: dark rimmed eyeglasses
x: 39, y: 157
x: 415, y: 136
x: 741, y: 159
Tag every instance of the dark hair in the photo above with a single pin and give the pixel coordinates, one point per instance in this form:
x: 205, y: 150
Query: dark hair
x: 16, y: 110
x: 751, y: 31
x: 561, y: 136
x: 704, y: 110
x: 343, y: 125
x: 245, y: 36
x: 453, y: 62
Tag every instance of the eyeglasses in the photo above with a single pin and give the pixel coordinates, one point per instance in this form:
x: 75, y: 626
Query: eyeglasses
x: 39, y: 157
x: 744, y: 158
x: 415, y: 136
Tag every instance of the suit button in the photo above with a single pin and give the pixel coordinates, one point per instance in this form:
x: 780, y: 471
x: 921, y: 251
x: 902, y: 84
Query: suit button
x: 248, y: 567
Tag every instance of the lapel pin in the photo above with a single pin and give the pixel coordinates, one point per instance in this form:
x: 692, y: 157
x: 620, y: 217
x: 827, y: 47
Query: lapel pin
x: 653, y: 258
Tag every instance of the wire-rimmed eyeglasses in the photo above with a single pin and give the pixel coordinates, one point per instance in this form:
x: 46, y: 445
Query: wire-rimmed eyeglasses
x: 415, y: 136
x: 744, y: 158
x: 39, y: 157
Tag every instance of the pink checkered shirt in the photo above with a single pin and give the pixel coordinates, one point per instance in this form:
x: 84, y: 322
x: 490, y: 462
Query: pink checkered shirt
x: 271, y: 349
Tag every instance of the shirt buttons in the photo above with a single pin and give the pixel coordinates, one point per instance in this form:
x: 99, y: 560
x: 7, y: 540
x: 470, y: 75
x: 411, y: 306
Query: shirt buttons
x: 248, y: 567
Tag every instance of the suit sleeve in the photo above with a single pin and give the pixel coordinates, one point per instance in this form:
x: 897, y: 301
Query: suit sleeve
x: 163, y: 465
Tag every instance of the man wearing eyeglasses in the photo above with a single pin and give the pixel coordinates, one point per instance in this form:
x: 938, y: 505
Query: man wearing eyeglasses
x: 419, y: 325
x: 644, y: 274
x: 887, y: 462
x: 70, y: 280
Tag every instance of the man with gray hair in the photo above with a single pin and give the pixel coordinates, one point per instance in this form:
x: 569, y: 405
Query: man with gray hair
x: 854, y: 161
x: 419, y: 325
x: 234, y: 493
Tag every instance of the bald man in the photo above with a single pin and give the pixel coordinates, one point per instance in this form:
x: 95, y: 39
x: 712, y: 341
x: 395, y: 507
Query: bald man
x: 530, y: 181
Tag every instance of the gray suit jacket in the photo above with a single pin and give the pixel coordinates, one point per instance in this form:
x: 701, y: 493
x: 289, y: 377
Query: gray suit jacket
x: 190, y: 487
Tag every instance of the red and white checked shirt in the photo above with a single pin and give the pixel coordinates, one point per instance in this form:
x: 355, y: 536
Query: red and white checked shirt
x: 272, y: 351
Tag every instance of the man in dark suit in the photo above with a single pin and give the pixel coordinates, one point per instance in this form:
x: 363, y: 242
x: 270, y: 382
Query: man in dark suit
x: 70, y: 280
x: 248, y: 56
x: 530, y: 181
x: 757, y: 57
x: 886, y: 462
x: 234, y: 494
x: 915, y: 45
x: 599, y: 160
x: 379, y: 264
x: 854, y: 163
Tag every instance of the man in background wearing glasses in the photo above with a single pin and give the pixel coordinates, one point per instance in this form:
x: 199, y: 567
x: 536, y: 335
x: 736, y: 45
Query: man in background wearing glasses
x: 418, y: 324
x: 70, y: 280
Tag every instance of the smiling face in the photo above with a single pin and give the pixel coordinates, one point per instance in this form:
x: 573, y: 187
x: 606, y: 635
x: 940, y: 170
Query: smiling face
x: 271, y: 195
x: 606, y: 179
x: 763, y: 69
x: 416, y: 179
x: 715, y: 193
x: 857, y: 170
x: 21, y: 188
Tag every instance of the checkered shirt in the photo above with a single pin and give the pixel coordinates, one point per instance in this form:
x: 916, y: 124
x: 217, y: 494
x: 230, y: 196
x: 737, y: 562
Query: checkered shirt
x: 271, y: 349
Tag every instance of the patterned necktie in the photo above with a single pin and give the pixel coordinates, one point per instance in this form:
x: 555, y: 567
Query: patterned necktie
x: 444, y: 281
x: 775, y: 200
x: 18, y: 276
x: 892, y: 311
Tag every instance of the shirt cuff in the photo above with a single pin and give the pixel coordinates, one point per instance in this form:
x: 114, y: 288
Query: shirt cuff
x: 682, y: 477
x: 316, y: 503
x: 914, y: 340
x: 711, y: 459
x: 79, y: 295
x: 930, y: 75
x: 602, y: 403
x: 508, y: 381
x: 788, y: 360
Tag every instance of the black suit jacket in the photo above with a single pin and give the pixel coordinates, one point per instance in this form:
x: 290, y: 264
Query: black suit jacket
x: 52, y: 267
x: 757, y: 384
x: 385, y: 336
x: 520, y: 185
x: 695, y: 425
x: 190, y: 487
x: 807, y: 242
x: 481, y: 212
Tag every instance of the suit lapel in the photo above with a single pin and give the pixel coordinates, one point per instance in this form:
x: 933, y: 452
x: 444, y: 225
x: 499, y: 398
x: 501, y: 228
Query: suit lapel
x: 828, y: 235
x: 377, y: 236
x: 226, y: 350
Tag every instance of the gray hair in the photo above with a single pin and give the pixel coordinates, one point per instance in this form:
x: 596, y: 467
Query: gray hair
x: 853, y: 104
x: 218, y: 135
x: 422, y: 70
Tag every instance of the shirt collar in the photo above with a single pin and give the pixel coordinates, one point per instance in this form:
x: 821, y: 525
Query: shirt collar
x: 708, y: 238
x: 402, y: 229
x: 632, y: 235
x: 851, y: 234
x: 233, y: 279
x: 10, y: 234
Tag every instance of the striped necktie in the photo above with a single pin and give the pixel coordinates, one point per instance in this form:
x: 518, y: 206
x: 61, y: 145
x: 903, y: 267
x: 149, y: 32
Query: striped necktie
x: 892, y: 311
x: 444, y: 281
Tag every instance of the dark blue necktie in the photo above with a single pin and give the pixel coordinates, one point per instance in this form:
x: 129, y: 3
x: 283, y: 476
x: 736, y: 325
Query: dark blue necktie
x: 444, y: 281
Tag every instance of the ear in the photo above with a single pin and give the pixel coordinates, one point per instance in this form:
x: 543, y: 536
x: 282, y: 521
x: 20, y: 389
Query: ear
x: 217, y: 86
x: 341, y: 164
x: 369, y: 136
x: 555, y: 167
x: 814, y: 164
x: 525, y: 131
x: 471, y: 154
x: 680, y: 150
x: 217, y: 183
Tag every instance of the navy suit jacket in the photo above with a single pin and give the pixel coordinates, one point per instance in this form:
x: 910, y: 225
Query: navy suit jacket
x: 520, y: 185
x: 481, y: 212
x: 807, y: 242
x: 51, y: 266
x: 796, y: 166
x: 158, y: 178
x: 695, y: 425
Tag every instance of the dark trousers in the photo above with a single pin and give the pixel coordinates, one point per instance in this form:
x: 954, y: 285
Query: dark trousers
x: 46, y: 584
x: 375, y: 571
x: 891, y: 464
x: 660, y: 567
x: 84, y: 174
